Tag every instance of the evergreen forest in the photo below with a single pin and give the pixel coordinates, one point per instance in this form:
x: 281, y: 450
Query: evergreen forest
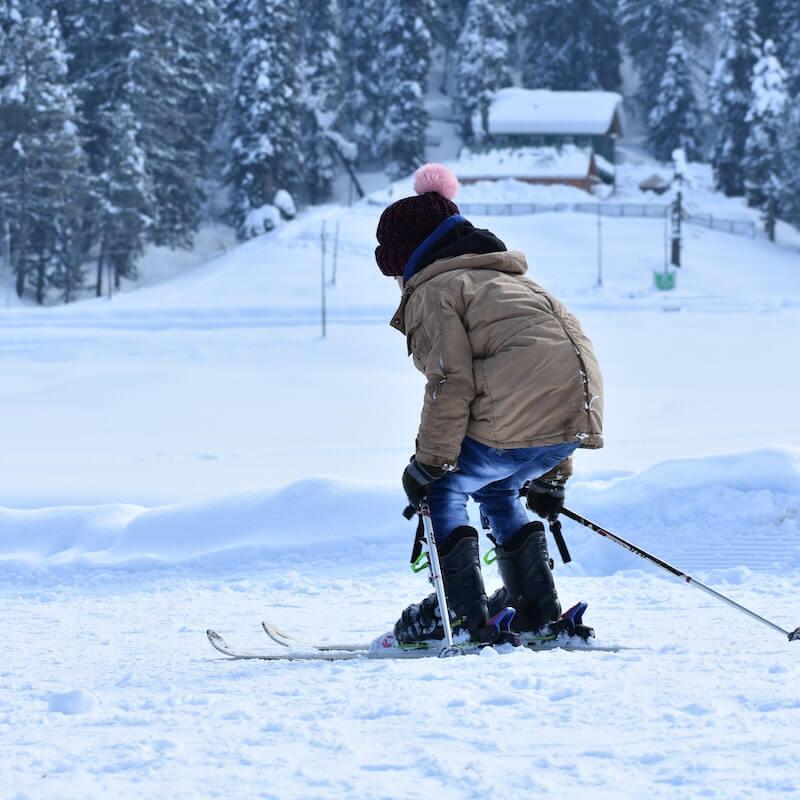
x: 129, y: 123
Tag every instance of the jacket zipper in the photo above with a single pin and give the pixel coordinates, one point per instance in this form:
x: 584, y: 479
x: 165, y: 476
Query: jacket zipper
x: 587, y: 399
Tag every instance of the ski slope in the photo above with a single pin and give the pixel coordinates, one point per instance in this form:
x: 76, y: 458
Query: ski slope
x: 194, y: 454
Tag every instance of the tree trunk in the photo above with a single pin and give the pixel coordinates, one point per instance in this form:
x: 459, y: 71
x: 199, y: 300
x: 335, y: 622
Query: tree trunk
x: 769, y: 223
x: 267, y: 188
x: 100, y: 265
x: 40, y: 283
x: 349, y: 167
x: 20, y: 280
x: 445, y: 69
x: 484, y: 120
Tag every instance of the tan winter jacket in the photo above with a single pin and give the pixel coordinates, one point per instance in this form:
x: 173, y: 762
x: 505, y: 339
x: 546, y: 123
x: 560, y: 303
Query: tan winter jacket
x: 506, y: 363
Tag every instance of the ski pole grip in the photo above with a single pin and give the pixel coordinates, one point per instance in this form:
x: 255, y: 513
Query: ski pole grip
x: 409, y: 511
x: 563, y: 550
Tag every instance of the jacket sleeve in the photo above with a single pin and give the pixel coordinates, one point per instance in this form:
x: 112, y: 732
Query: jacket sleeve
x: 450, y: 386
x: 560, y: 473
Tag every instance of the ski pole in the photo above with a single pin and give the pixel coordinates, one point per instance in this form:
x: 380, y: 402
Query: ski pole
x: 682, y: 576
x: 435, y: 574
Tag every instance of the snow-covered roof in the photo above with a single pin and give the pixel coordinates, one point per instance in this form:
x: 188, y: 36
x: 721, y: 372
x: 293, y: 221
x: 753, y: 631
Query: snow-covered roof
x: 568, y: 161
x: 545, y: 112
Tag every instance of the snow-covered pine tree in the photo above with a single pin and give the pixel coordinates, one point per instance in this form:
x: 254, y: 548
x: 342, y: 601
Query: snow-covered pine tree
x: 321, y: 95
x: 482, y: 63
x: 571, y: 45
x: 607, y: 44
x: 446, y: 26
x: 126, y: 204
x: 360, y: 110
x: 674, y: 119
x: 787, y: 48
x: 730, y: 92
x: 11, y: 69
x: 404, y: 57
x: 10, y: 14
x: 790, y: 142
x: 648, y: 33
x: 44, y: 177
x: 161, y: 60
x: 265, y: 127
x: 789, y: 200
x: 764, y: 165
x: 172, y: 88
x: 778, y: 20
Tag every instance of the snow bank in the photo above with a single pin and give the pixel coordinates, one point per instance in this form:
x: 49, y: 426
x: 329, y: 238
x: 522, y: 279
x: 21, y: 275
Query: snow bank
x: 720, y: 512
x: 319, y: 513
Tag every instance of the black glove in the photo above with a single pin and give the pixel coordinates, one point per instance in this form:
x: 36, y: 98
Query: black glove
x: 546, y: 498
x: 416, y: 480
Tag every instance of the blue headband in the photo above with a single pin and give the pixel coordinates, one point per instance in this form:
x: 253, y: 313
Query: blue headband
x: 441, y: 230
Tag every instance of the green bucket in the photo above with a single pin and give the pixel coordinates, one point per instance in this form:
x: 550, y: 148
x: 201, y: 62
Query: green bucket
x: 664, y: 280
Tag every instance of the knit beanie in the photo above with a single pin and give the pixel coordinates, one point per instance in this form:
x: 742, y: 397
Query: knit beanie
x: 407, y: 223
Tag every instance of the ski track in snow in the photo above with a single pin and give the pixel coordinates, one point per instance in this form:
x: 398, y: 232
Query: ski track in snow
x: 193, y: 455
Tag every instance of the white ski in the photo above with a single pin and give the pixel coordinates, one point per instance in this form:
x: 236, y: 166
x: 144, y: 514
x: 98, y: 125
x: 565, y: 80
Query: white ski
x: 532, y: 643
x: 311, y: 654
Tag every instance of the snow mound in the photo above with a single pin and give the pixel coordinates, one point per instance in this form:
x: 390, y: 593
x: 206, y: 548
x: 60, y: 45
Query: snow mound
x: 319, y: 513
x: 720, y: 512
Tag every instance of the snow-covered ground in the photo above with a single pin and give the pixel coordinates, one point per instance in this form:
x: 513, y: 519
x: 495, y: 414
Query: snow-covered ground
x: 195, y: 454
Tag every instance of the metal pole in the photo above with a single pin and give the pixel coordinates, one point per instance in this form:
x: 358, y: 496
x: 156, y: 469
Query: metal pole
x: 8, y: 263
x: 677, y: 213
x: 599, y: 245
x: 335, y: 253
x: 324, y: 309
x: 674, y: 571
x: 437, y: 580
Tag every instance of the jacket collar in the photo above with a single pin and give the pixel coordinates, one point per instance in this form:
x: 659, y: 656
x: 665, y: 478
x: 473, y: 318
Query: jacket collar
x: 510, y: 261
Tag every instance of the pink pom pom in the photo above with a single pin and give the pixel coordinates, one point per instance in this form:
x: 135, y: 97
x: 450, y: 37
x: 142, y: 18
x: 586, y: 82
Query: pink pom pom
x: 436, y: 178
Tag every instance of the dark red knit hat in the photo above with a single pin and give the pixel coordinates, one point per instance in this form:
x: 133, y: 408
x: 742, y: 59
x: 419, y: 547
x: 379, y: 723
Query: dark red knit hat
x: 405, y: 224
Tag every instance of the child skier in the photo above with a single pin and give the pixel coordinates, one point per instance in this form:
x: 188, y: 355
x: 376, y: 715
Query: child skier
x: 513, y: 388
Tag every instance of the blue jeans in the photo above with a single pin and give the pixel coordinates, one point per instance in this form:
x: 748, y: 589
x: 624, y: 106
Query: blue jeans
x: 493, y: 478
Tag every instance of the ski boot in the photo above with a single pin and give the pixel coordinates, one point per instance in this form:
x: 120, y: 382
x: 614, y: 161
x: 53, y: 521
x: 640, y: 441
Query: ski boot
x: 466, y: 599
x: 528, y: 586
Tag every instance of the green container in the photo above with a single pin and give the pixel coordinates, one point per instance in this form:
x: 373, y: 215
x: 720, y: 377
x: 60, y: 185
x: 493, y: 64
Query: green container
x: 664, y: 280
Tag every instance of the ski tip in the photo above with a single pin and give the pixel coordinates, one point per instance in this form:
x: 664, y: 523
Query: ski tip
x: 217, y: 642
x: 276, y: 634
